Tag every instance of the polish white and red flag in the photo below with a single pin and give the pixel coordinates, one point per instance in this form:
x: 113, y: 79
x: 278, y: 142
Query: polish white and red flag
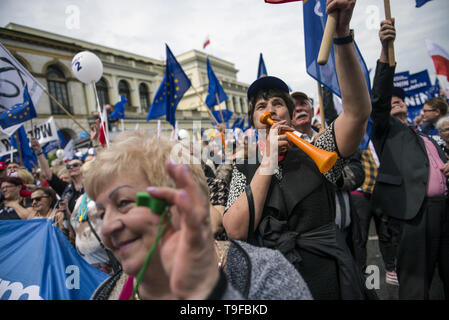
x: 440, y: 58
x: 206, y: 42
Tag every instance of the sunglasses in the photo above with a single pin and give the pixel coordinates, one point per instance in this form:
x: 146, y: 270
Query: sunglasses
x: 75, y: 165
x: 38, y: 199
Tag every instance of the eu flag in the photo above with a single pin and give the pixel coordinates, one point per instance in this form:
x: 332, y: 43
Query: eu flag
x: 119, y: 110
x: 19, y: 141
x: 238, y: 123
x: 262, y: 71
x: 174, y: 84
x: 214, y: 88
x: 227, y: 115
x: 159, y: 106
x: 19, y: 113
x: 315, y: 18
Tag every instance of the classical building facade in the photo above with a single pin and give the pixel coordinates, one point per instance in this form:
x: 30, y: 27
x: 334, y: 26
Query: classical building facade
x: 48, y: 57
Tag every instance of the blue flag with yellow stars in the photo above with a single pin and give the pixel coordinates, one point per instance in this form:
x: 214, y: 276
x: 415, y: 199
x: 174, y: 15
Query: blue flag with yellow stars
x: 18, y: 113
x: 174, y: 84
x: 262, y: 71
x: 214, y: 89
x: 119, y: 110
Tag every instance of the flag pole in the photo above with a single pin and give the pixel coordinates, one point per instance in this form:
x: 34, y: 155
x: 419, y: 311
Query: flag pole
x: 326, y: 42
x: 105, y: 129
x: 320, y: 101
x: 64, y: 109
x: 391, y: 58
x: 202, y: 102
x: 18, y: 148
x: 219, y: 108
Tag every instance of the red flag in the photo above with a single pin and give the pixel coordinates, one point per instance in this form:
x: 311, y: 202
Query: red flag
x: 102, y: 135
x: 206, y: 42
x: 440, y: 58
x: 280, y: 1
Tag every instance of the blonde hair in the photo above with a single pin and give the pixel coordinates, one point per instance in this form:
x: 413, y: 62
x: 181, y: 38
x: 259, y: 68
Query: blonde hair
x: 25, y: 176
x: 138, y: 152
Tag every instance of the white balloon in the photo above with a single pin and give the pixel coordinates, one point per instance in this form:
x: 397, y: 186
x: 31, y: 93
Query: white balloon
x: 87, y: 67
x: 60, y: 154
x: 183, y: 134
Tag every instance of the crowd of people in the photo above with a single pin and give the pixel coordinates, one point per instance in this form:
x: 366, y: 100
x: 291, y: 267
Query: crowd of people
x: 239, y: 230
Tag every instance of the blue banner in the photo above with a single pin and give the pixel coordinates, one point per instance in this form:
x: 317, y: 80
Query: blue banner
x: 417, y: 89
x: 37, y: 262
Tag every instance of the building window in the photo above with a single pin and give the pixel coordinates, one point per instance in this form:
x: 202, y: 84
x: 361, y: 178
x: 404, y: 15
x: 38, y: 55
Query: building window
x: 57, y: 87
x: 144, y: 96
x: 123, y: 90
x: 102, y: 91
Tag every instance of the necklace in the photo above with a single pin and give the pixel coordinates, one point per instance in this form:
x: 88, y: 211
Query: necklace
x: 222, y: 252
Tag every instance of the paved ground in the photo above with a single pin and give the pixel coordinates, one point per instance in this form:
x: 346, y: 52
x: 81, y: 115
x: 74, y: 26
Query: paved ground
x: 387, y: 291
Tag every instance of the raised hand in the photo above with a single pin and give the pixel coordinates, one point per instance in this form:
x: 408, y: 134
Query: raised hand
x: 344, y: 9
x: 187, y: 249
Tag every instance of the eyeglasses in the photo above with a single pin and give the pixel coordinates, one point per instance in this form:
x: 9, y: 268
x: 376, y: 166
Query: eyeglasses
x: 75, y: 165
x: 4, y: 188
x: 428, y: 110
x: 38, y: 199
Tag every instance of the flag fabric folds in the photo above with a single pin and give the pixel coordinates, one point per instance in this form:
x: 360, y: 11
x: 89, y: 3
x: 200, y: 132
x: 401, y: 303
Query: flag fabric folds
x: 262, y: 70
x: 174, y: 84
x: 440, y: 58
x: 239, y: 122
x: 420, y: 3
x: 37, y: 262
x: 119, y: 110
x: 214, y: 89
x: 19, y: 113
x: 227, y: 115
x: 14, y: 77
x: 159, y: 106
x: 206, y: 42
x: 19, y: 141
x: 315, y: 18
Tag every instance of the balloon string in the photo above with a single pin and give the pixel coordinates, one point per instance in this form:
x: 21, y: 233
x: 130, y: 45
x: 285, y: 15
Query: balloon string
x: 159, y: 235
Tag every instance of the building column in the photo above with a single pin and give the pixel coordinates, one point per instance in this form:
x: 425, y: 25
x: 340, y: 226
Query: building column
x: 135, y: 95
x: 114, y: 90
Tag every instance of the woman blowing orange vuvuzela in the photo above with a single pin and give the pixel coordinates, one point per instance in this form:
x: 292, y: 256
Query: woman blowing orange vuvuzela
x: 285, y: 202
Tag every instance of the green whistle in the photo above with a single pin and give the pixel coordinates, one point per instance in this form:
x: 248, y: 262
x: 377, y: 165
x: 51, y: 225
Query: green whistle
x: 143, y: 199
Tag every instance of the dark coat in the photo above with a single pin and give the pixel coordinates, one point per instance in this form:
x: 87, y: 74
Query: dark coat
x: 402, y: 179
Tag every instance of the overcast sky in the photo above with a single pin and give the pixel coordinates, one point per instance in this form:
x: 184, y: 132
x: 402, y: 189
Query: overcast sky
x: 239, y: 30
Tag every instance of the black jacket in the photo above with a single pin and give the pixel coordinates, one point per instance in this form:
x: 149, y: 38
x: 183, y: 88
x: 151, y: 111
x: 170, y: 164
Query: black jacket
x: 402, y: 179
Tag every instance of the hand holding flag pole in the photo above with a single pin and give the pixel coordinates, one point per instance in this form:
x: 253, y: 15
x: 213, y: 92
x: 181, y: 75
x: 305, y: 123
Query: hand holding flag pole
x: 391, y: 58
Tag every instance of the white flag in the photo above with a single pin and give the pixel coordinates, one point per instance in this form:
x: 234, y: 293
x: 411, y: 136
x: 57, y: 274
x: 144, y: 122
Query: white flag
x: 13, y: 78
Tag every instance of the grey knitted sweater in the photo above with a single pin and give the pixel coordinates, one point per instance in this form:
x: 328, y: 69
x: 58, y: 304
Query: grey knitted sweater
x: 252, y: 273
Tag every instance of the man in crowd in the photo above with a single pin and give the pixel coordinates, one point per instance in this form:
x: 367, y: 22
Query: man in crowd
x: 302, y: 116
x: 433, y: 110
x: 411, y: 187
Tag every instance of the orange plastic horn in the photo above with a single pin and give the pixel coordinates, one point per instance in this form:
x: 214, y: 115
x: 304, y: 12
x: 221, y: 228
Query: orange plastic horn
x: 323, y: 159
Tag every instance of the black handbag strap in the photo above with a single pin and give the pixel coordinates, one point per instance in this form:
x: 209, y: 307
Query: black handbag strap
x: 115, y: 264
x: 249, y: 195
